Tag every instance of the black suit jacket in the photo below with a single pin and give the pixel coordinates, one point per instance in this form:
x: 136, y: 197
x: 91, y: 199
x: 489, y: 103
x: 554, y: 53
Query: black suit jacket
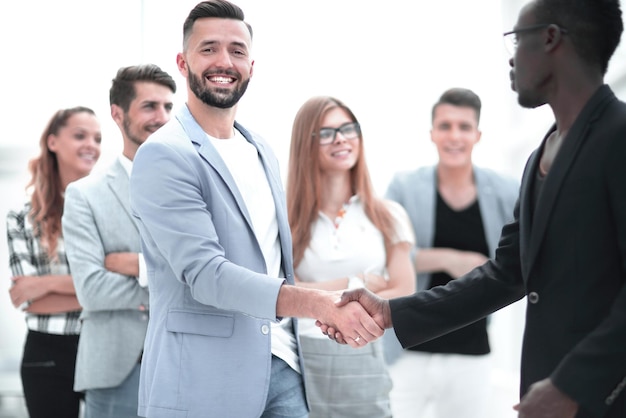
x: 567, y: 254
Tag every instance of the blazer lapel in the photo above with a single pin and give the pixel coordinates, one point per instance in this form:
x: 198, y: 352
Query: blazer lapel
x: 273, y: 177
x: 563, y: 161
x: 208, y: 152
x: 119, y: 184
x: 212, y: 157
x: 525, y: 215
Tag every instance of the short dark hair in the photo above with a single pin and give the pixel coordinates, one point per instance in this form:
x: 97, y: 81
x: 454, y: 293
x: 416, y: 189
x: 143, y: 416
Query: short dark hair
x: 458, y: 96
x: 212, y: 8
x: 594, y: 26
x: 122, y: 91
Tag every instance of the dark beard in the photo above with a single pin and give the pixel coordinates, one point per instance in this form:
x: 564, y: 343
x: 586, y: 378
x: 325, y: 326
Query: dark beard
x: 134, y: 139
x: 214, y: 100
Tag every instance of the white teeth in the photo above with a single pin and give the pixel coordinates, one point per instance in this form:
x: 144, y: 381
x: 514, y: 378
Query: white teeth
x: 220, y: 79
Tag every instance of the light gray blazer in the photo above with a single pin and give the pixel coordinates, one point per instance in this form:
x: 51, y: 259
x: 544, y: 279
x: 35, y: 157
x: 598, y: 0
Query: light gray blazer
x: 208, y: 348
x: 97, y: 221
x: 416, y: 191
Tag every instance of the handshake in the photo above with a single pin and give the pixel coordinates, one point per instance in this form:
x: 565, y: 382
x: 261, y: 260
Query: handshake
x: 359, y: 317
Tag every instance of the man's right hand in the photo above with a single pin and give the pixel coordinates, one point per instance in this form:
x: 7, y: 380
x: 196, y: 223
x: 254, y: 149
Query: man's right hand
x: 352, y: 319
x: 378, y: 308
x: 122, y: 263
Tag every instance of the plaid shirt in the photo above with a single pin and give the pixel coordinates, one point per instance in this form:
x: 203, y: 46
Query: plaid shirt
x: 28, y: 258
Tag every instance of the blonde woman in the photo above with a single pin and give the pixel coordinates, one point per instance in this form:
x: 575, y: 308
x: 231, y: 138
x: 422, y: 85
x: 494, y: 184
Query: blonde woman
x: 41, y: 282
x: 344, y: 237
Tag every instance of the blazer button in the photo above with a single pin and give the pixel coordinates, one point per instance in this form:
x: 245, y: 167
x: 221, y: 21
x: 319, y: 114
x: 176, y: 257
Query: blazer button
x: 265, y: 330
x: 533, y: 297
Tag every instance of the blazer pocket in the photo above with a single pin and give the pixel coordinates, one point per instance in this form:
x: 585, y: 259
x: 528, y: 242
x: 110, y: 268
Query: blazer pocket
x: 208, y: 324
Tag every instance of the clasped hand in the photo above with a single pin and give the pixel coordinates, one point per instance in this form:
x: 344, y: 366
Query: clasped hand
x: 376, y: 307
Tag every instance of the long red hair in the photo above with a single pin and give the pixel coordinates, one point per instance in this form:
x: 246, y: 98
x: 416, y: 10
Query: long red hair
x: 304, y: 177
x: 47, y: 193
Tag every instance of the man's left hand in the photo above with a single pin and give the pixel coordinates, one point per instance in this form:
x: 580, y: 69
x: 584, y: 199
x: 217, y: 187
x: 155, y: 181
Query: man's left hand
x: 544, y: 400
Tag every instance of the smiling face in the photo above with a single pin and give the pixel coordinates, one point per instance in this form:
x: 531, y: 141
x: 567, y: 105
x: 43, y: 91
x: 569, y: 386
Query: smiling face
x: 454, y: 133
x: 76, y: 145
x: 342, y: 154
x: 216, y: 61
x: 147, y: 112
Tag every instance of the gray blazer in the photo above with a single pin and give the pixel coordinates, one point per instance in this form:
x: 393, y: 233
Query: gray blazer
x: 208, y: 348
x: 416, y: 191
x: 97, y: 221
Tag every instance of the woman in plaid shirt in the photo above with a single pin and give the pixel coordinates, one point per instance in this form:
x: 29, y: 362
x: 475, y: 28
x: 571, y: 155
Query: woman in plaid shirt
x: 41, y: 282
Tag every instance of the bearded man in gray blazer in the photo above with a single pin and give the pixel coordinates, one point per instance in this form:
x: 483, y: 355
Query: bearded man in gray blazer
x: 104, y: 252
x: 211, y: 210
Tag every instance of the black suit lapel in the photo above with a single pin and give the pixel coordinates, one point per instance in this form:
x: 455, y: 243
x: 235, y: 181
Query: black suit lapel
x: 565, y: 158
x: 525, y: 216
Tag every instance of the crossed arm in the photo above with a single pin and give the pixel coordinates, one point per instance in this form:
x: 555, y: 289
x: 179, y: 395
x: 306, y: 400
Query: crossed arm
x: 44, y: 294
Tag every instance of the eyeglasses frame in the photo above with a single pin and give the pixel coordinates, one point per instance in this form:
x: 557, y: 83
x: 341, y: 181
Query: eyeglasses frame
x: 357, y: 126
x: 531, y: 28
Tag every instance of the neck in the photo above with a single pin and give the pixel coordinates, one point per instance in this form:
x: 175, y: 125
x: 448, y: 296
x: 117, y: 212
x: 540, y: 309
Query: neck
x: 337, y: 191
x: 130, y: 149
x: 456, y: 177
x: 67, y: 178
x: 571, y: 94
x: 216, y: 122
x: 456, y: 186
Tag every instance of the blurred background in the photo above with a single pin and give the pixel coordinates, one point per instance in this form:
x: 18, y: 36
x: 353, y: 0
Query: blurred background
x: 388, y: 61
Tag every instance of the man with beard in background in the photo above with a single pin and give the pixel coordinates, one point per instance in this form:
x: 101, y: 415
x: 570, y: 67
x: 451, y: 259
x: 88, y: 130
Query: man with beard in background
x: 104, y: 251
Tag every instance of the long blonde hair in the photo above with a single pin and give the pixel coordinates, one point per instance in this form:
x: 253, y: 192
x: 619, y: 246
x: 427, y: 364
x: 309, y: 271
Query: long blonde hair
x: 304, y: 177
x: 47, y: 194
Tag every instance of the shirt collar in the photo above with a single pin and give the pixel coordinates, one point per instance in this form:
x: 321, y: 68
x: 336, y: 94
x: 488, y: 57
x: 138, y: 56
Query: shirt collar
x: 127, y: 163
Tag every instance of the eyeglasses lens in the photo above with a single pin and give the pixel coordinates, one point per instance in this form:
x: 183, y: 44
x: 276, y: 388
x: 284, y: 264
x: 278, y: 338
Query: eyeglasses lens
x: 348, y: 131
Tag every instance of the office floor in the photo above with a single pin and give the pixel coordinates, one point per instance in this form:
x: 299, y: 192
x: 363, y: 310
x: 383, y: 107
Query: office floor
x: 504, y: 389
x: 11, y: 399
x: 12, y: 408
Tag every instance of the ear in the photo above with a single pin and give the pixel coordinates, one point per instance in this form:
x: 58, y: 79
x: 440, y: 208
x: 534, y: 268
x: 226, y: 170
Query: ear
x: 479, y: 135
x: 51, y: 141
x: 181, y: 63
x: 554, y: 37
x: 117, y: 114
x: 251, y: 68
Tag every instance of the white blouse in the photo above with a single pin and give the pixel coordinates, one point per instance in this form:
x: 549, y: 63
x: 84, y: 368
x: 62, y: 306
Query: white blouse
x: 352, y: 247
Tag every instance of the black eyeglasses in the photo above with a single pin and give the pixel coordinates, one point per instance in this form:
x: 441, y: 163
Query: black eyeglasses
x: 350, y: 130
x: 511, y: 39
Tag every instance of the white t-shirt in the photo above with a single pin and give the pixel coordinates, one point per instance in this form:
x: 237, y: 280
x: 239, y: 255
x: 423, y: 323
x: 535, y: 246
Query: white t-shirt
x: 244, y: 164
x: 142, y: 279
x: 354, y: 246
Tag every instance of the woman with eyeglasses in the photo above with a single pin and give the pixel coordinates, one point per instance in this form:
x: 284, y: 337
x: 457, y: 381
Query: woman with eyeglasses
x: 344, y: 237
x: 41, y: 284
